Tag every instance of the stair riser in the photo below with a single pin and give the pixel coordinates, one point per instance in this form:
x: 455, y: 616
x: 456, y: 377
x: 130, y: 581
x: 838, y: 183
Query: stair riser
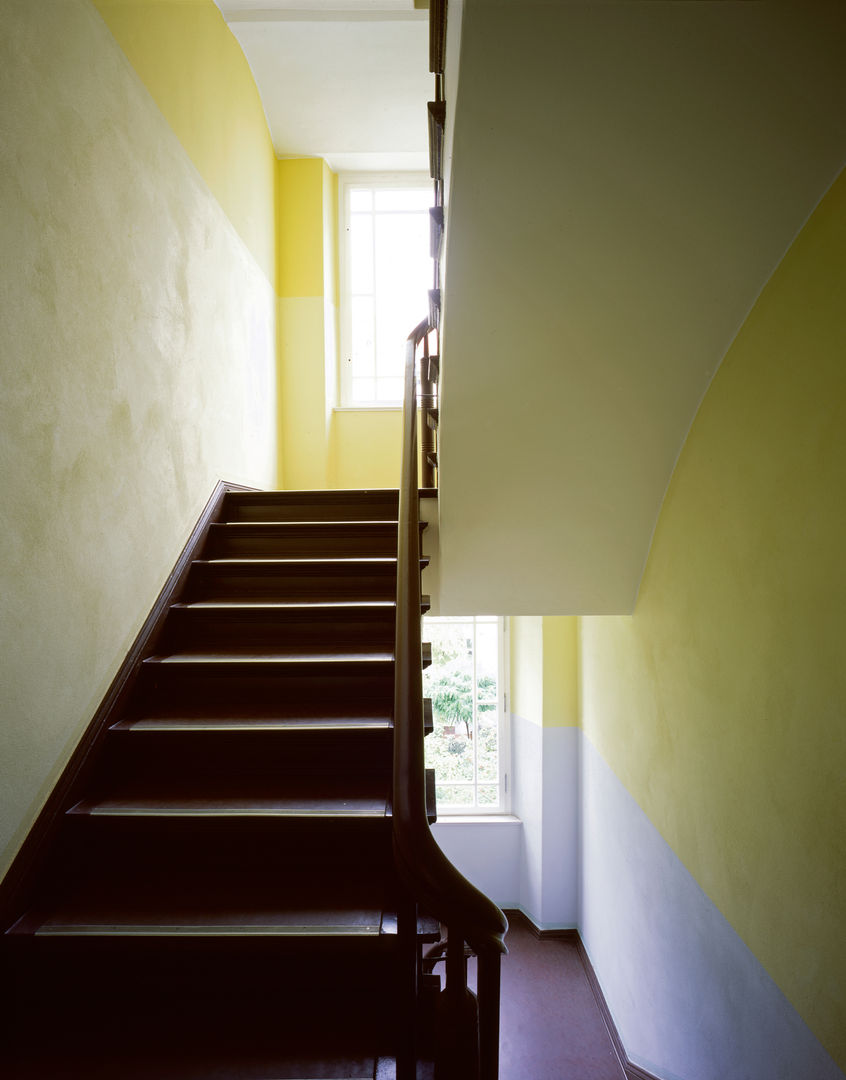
x: 262, y: 756
x: 280, y: 693
x: 329, y: 506
x: 197, y: 969
x: 281, y: 844
x: 190, y: 628
x: 254, y: 542
x: 218, y: 581
x: 291, y: 582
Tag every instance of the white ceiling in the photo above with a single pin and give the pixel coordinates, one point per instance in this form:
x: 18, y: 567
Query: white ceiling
x: 346, y: 80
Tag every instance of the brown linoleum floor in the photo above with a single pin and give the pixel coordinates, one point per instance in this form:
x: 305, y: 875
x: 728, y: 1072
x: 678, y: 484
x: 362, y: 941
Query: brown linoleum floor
x: 551, y: 1026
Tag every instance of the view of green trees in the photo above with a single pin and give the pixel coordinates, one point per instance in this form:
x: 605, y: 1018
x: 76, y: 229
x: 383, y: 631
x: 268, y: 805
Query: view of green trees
x: 462, y: 683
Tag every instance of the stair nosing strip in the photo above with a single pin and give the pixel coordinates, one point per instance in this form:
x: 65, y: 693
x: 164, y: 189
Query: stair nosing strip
x: 202, y: 658
x: 196, y: 930
x: 149, y: 724
x: 230, y: 812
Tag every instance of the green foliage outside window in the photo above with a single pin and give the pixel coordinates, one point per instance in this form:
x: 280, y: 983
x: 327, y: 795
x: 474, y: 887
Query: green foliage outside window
x: 464, y: 745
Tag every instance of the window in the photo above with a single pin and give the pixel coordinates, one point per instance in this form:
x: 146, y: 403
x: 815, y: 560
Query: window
x: 468, y: 748
x: 386, y: 271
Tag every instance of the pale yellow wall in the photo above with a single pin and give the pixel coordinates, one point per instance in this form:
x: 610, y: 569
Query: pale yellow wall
x: 198, y: 76
x: 300, y: 227
x: 366, y: 447
x: 720, y: 703
x: 560, y: 671
x: 526, y: 666
x: 137, y: 369
x: 544, y: 674
x: 306, y: 323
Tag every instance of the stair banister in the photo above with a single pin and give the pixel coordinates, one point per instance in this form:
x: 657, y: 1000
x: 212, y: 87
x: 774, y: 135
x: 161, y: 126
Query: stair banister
x: 434, y: 883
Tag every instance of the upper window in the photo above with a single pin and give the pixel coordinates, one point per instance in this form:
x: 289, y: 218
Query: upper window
x: 386, y: 271
x: 468, y: 748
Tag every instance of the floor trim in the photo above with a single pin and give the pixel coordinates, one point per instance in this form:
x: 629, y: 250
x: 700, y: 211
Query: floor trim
x: 631, y: 1071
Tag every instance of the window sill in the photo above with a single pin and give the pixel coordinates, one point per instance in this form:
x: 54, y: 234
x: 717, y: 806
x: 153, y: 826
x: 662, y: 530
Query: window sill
x: 478, y: 819
x: 368, y: 408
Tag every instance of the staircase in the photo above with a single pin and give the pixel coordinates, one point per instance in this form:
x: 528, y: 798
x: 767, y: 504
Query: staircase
x: 216, y: 896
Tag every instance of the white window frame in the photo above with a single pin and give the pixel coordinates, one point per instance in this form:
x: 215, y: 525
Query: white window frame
x: 504, y: 748
x: 348, y: 181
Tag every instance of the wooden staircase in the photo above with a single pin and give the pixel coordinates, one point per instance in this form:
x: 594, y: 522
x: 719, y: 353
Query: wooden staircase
x: 216, y: 895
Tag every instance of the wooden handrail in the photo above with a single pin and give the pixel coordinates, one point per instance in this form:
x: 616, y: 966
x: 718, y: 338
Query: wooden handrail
x: 427, y: 874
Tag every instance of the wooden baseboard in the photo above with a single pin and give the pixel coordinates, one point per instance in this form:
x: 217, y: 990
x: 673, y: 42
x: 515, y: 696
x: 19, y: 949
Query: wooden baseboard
x: 632, y: 1071
x: 17, y: 883
x: 519, y: 917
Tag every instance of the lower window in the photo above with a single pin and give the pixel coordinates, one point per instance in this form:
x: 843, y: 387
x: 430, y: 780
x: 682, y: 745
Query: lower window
x: 466, y: 683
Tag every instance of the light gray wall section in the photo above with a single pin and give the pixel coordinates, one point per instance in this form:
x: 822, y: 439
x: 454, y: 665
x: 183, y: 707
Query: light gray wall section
x: 487, y: 853
x: 531, y: 863
x: 690, y: 1000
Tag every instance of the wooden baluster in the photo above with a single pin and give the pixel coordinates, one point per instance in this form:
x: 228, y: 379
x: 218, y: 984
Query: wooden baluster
x: 409, y: 976
x: 428, y: 418
x: 488, y: 988
x: 457, y: 1019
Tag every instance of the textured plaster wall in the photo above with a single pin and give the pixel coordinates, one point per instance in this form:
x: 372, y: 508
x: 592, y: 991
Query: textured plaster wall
x: 137, y: 369
x: 198, y: 76
x: 720, y: 703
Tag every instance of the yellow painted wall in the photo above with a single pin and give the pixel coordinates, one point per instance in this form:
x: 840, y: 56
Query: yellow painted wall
x: 544, y: 672
x: 306, y: 322
x: 300, y: 227
x: 720, y: 703
x: 560, y: 671
x: 526, y: 666
x: 366, y: 447
x: 198, y: 76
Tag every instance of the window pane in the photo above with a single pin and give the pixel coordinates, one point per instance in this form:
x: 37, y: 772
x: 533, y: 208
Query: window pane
x: 389, y: 390
x: 487, y: 747
x: 454, y: 796
x: 363, y: 389
x: 404, y: 199
x: 361, y: 199
x: 363, y: 350
x: 388, y: 259
x: 361, y: 253
x: 463, y: 684
x: 487, y: 659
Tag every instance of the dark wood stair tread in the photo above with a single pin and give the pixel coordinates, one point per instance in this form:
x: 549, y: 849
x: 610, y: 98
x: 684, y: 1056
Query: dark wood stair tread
x: 333, y: 607
x: 248, y: 804
x: 345, y: 563
x: 302, y: 655
x: 165, y: 724
x: 270, y: 655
